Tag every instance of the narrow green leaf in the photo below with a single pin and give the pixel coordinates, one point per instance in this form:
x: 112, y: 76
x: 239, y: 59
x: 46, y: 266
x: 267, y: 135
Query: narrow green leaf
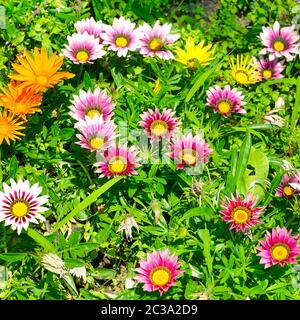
x: 274, y: 184
x: 86, y: 202
x: 199, y: 82
x: 206, y: 251
x: 243, y: 158
x: 296, y: 109
x: 41, y: 240
x: 12, y: 256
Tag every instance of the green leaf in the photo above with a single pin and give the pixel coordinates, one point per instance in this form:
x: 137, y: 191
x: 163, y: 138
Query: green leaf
x: 87, y: 80
x: 13, y: 166
x: 205, y: 236
x: 12, y: 256
x: 242, y: 163
x: 296, y: 109
x: 200, y: 81
x: 86, y: 202
x: 104, y: 273
x: 41, y: 240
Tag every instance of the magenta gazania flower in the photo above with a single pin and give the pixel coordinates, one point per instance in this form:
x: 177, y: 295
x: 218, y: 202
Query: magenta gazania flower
x: 96, y: 134
x: 159, y: 125
x: 280, y: 42
x: 269, y: 69
x: 225, y: 101
x: 83, y: 48
x: 155, y: 41
x: 92, y: 27
x: 21, y: 204
x: 117, y: 161
x: 189, y: 151
x: 121, y: 36
x: 288, y: 186
x: 159, y: 271
x: 91, y: 104
x: 279, y: 247
x: 242, y: 214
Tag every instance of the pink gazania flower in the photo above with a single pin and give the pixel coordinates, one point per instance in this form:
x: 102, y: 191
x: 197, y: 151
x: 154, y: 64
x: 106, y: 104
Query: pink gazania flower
x: 159, y: 271
x: 189, y: 151
x: 289, y: 186
x: 280, y: 42
x: 225, y: 101
x: 269, y: 69
x: 20, y: 204
x: 121, y: 36
x: 242, y: 214
x: 96, y: 134
x: 155, y: 41
x: 92, y: 103
x: 90, y: 26
x: 83, y: 48
x: 159, y: 125
x: 117, y: 161
x: 279, y: 247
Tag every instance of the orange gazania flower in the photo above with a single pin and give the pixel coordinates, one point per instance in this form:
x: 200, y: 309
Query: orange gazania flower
x: 10, y: 128
x: 20, y: 101
x: 38, y: 71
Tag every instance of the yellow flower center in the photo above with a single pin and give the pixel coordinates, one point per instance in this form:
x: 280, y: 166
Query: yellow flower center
x: 189, y: 156
x: 19, y: 209
x: 224, y: 107
x: 96, y: 142
x: 156, y: 44
x: 91, y: 113
x: 121, y: 41
x: 82, y: 55
x: 118, y: 165
x: 42, y: 80
x: 4, y: 128
x: 160, y: 276
x: 191, y: 63
x: 280, y: 251
x: 267, y: 74
x: 241, y: 215
x: 159, y: 127
x: 279, y: 45
x: 288, y: 190
x: 241, y: 77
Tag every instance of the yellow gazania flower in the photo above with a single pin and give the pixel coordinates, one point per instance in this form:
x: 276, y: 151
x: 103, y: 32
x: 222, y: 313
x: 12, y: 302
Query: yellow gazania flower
x: 20, y: 101
x: 10, y: 127
x: 243, y: 70
x: 194, y: 52
x: 38, y: 71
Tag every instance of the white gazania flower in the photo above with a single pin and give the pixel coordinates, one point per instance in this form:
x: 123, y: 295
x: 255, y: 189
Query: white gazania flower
x: 272, y: 118
x: 79, y: 273
x: 21, y: 204
x: 53, y: 263
x: 127, y: 225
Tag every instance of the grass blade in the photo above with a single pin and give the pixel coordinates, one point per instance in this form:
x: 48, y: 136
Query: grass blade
x: 41, y: 240
x: 87, y: 201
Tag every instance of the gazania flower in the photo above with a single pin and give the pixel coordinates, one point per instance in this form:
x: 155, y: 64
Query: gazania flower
x: 194, y: 54
x: 159, y: 125
x: 10, y: 127
x: 118, y: 161
x: 155, y: 41
x: 288, y: 186
x: 121, y: 36
x: 38, y: 71
x: 280, y: 42
x: 90, y: 26
x: 96, y: 134
x: 225, y: 101
x: 189, y: 151
x: 243, y: 71
x: 21, y: 204
x: 159, y: 271
x: 279, y: 247
x: 20, y: 101
x: 83, y: 48
x: 127, y: 224
x: 269, y: 69
x: 91, y: 104
x: 242, y: 214
x: 272, y: 118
